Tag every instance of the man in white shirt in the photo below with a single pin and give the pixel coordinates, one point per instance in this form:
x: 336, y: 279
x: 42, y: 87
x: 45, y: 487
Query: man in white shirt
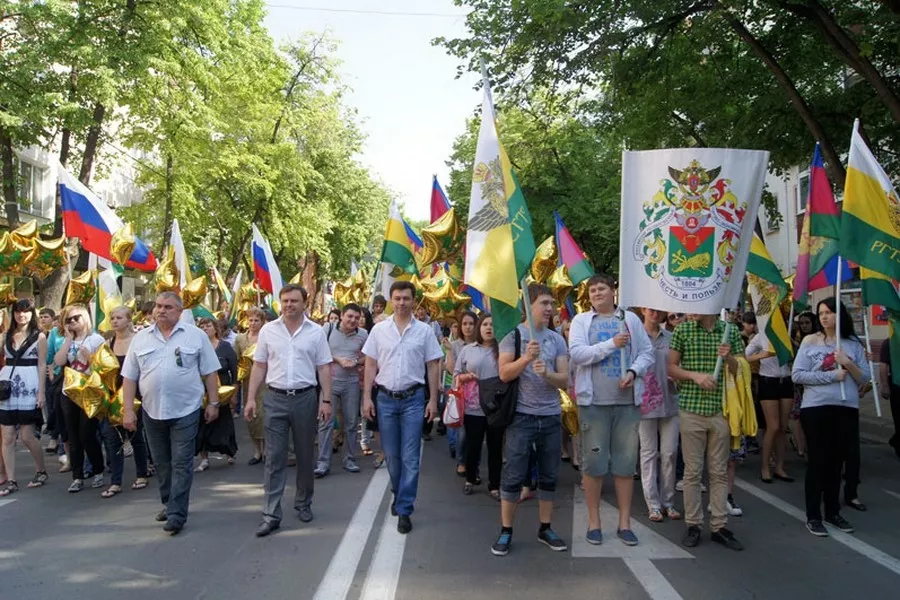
x: 291, y: 355
x: 173, y: 362
x: 402, y: 351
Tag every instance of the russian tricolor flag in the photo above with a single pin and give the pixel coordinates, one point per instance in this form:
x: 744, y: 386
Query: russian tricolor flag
x: 265, y: 270
x: 439, y: 202
x: 89, y: 219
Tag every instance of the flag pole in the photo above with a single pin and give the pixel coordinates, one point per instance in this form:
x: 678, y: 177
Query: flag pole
x: 620, y: 315
x: 837, y: 318
x: 725, y: 335
x: 529, y: 318
x: 876, y: 397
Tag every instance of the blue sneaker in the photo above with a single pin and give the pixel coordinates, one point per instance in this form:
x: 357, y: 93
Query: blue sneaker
x: 594, y: 536
x: 627, y: 536
x: 501, y: 546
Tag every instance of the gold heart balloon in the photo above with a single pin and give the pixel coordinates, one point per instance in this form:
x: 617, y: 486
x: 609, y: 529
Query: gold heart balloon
x: 545, y: 258
x: 82, y: 288
x: 46, y: 256
x: 194, y: 292
x: 23, y: 234
x: 245, y: 361
x: 443, y: 239
x: 560, y: 284
x: 167, y: 276
x: 446, y: 301
x: 122, y: 243
x: 12, y: 254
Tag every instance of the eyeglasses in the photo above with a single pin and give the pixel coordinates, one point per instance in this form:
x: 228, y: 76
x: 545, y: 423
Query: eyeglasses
x: 73, y: 319
x: 673, y: 316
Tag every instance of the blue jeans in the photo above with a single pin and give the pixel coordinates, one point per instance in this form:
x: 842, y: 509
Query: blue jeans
x: 400, y: 424
x: 114, y: 439
x: 544, y: 434
x: 172, y: 442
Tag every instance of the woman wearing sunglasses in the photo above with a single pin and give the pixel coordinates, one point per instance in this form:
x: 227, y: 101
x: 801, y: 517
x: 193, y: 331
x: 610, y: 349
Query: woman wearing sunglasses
x: 79, y: 344
x: 25, y: 349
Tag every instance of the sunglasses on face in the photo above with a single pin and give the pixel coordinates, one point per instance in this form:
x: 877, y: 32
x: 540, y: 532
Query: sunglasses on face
x: 674, y: 316
x: 73, y: 319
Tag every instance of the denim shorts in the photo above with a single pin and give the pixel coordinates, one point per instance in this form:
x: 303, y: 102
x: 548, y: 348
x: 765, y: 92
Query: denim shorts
x: 609, y: 439
x: 526, y: 434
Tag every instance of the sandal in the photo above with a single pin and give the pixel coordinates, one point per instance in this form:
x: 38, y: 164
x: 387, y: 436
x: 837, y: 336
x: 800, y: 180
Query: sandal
x: 468, y: 489
x: 495, y: 494
x: 379, y: 460
x: 77, y: 486
x: 656, y: 516
x: 673, y: 514
x: 460, y: 470
x: 11, y: 486
x: 368, y: 452
x: 111, y: 491
x: 39, y: 479
x: 139, y: 483
x: 65, y: 468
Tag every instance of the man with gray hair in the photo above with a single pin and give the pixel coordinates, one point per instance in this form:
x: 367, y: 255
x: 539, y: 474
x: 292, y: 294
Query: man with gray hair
x: 173, y: 362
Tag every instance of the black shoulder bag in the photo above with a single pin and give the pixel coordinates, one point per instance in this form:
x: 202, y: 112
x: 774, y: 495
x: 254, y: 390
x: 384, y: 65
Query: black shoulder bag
x: 6, y: 384
x: 499, y: 398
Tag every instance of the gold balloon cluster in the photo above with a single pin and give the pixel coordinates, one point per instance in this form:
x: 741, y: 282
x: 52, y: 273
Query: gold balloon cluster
x: 23, y: 252
x: 82, y: 288
x: 353, y: 290
x: 440, y: 294
x: 443, y: 239
x: 168, y: 278
x: 96, y: 391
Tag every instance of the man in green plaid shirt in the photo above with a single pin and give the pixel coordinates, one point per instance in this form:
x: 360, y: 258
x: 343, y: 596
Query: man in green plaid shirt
x: 693, y: 352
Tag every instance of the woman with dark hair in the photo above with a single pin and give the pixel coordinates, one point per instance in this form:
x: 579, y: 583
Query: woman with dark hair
x: 477, y: 361
x: 365, y: 319
x: 807, y: 324
x: 218, y: 435
x: 25, y: 349
x: 830, y: 414
x: 79, y: 345
x: 466, y: 333
x: 334, y: 316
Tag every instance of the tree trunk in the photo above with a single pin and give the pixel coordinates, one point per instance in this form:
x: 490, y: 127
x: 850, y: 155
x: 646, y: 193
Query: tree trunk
x: 167, y: 217
x: 832, y: 160
x: 91, y: 144
x: 310, y: 276
x: 10, y: 200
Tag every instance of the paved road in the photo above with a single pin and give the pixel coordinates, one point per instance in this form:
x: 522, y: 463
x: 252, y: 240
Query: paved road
x: 57, y: 545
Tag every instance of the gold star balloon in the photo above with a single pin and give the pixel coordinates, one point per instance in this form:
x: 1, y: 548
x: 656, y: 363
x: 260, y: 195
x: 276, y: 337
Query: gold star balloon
x: 569, y: 413
x: 105, y: 364
x: 445, y: 301
x: 342, y: 292
x: 12, y: 254
x: 226, y: 393
x: 115, y: 408
x: 46, y: 256
x: 122, y: 243
x: 545, y: 258
x: 582, y: 298
x: 194, y: 292
x: 560, y: 284
x: 23, y: 234
x: 86, y: 390
x: 7, y: 295
x: 245, y: 362
x: 167, y: 276
x: 443, y: 239
x: 82, y: 288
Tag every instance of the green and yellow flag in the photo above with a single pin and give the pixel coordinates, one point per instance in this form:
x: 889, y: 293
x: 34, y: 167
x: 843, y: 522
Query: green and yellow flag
x: 398, y: 249
x: 767, y: 289
x: 499, y: 241
x: 870, y: 225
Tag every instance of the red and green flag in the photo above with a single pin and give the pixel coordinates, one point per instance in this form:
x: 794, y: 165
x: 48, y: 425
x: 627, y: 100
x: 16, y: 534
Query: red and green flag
x: 570, y: 254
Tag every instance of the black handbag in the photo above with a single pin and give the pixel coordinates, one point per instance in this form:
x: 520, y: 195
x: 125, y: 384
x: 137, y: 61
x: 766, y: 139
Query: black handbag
x: 6, y: 384
x: 499, y: 398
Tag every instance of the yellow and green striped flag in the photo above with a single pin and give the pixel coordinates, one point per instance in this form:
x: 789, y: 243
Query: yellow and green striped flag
x: 398, y: 249
x: 767, y: 289
x: 870, y: 225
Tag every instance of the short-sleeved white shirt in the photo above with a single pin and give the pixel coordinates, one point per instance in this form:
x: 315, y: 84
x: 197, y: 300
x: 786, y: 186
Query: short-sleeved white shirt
x: 170, y: 371
x: 401, y: 356
x: 292, y: 360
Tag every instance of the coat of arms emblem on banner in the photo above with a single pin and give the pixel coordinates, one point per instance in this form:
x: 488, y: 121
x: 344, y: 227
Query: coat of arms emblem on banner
x: 690, y: 232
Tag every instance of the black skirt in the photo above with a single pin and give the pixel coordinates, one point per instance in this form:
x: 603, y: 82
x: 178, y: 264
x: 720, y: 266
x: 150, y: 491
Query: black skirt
x: 11, y: 418
x: 218, y: 436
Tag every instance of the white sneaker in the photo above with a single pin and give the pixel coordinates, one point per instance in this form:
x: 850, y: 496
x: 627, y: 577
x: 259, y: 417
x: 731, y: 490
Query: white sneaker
x: 733, y: 509
x: 679, y: 486
x: 63, y: 459
x: 204, y: 465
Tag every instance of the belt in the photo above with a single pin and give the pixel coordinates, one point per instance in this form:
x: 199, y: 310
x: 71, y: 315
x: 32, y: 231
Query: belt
x: 402, y: 394
x: 294, y: 392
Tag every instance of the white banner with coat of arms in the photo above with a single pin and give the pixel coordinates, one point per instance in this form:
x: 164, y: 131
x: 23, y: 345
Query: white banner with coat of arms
x: 687, y: 221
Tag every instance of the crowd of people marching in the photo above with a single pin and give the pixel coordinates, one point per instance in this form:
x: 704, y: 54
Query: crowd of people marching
x: 370, y: 384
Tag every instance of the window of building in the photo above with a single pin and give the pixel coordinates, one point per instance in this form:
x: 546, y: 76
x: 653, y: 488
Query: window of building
x: 803, y: 192
x: 30, y: 188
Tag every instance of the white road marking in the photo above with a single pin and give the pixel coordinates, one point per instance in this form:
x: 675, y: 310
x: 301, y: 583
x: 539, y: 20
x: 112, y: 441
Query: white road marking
x: 871, y: 552
x: 638, y: 558
x: 7, y: 501
x: 339, y: 575
x: 652, y: 545
x: 387, y: 560
x: 894, y: 494
x: 653, y: 582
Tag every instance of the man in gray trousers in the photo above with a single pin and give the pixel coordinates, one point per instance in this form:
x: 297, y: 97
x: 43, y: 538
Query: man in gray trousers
x: 345, y: 339
x: 290, y: 352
